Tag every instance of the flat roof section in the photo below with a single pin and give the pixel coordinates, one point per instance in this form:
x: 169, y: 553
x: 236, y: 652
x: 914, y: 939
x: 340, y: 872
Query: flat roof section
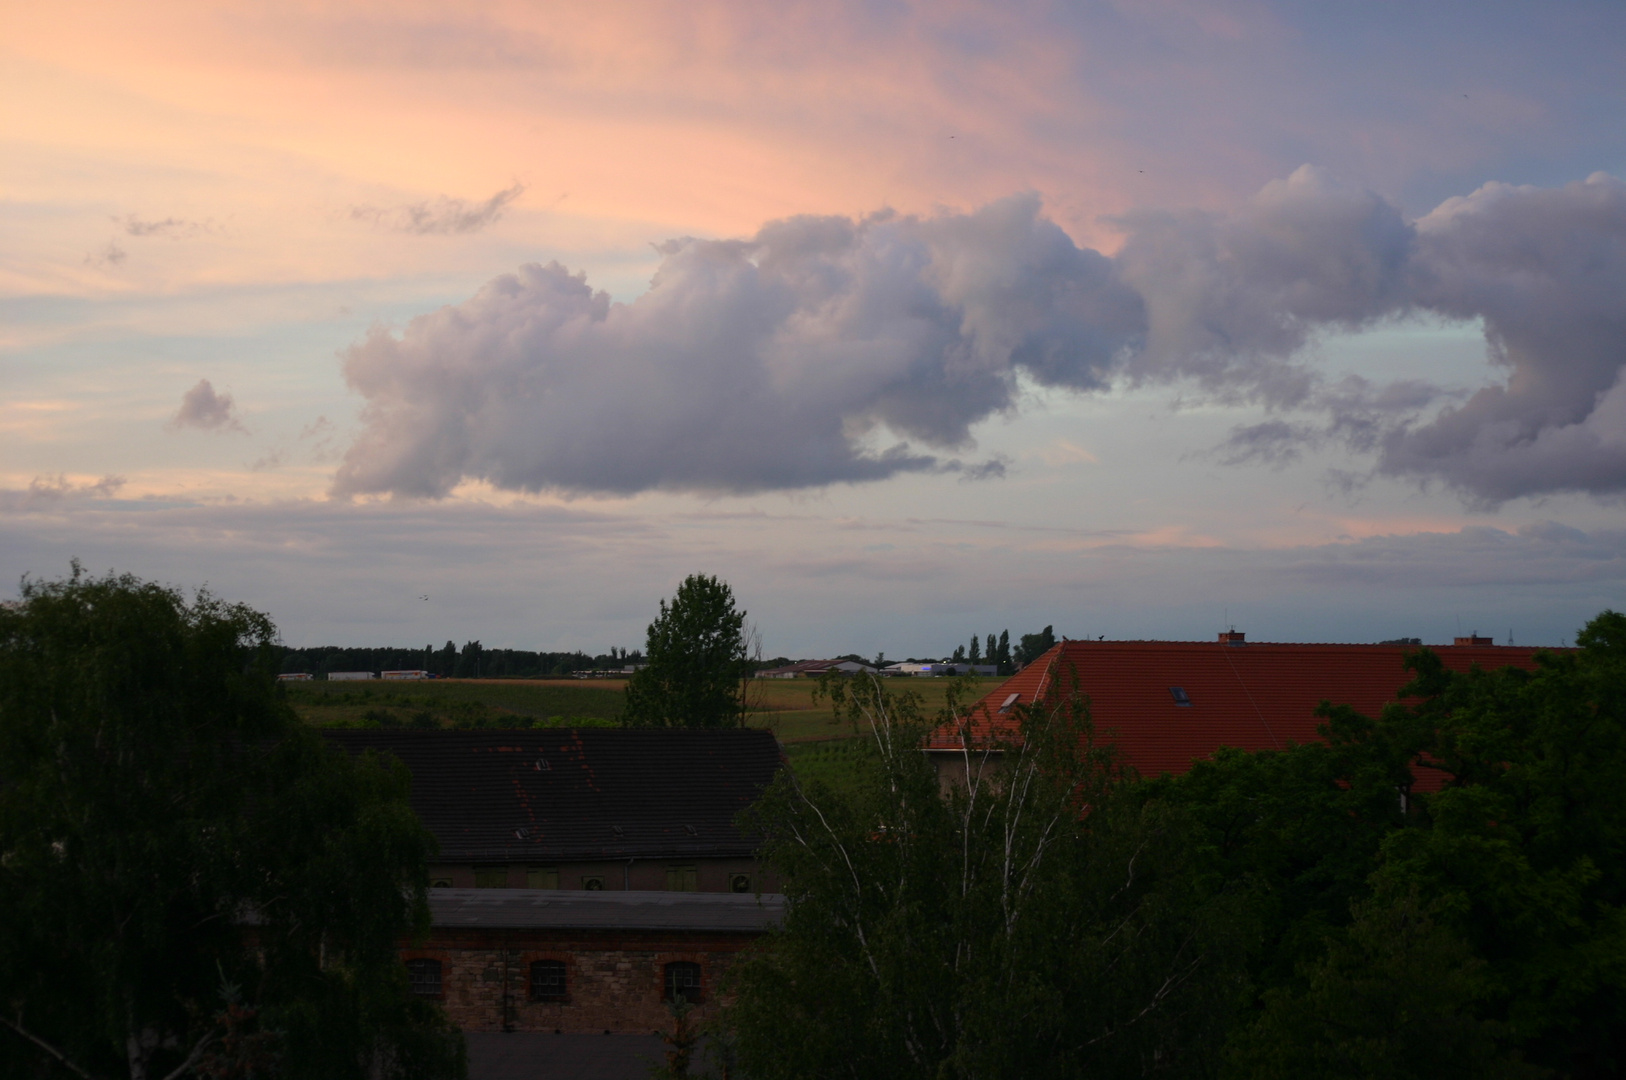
x: 572, y: 909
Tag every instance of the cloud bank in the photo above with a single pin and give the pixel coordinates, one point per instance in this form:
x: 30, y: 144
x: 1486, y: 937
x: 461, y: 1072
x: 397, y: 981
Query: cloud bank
x: 827, y: 350
x: 202, y: 408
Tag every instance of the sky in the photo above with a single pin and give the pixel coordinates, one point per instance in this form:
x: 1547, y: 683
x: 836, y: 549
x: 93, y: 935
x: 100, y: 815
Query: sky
x: 411, y: 322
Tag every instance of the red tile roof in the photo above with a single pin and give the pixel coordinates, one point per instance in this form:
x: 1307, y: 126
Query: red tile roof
x: 1255, y: 696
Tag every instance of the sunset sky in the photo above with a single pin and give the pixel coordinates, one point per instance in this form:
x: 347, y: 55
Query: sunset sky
x: 911, y: 321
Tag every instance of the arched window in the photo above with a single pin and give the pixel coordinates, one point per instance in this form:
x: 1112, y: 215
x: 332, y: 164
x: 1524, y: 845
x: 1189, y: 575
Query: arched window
x: 683, y: 981
x: 547, y: 980
x: 425, y: 976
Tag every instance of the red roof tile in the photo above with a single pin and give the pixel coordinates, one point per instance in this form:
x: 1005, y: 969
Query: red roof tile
x: 1256, y: 696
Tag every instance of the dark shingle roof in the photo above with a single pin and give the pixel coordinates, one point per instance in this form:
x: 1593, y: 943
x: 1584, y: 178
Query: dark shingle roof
x: 574, y: 909
x: 562, y: 794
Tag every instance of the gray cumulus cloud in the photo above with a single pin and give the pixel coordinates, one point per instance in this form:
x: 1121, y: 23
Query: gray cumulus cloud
x: 827, y: 350
x: 773, y: 362
x: 441, y: 215
x: 201, y: 407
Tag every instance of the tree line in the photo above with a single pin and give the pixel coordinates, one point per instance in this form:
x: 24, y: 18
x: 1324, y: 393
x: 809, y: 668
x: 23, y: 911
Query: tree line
x: 472, y: 661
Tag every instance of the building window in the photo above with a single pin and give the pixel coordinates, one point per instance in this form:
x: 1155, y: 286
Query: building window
x: 440, y: 883
x: 1178, y: 693
x: 740, y: 883
x: 683, y: 981
x: 425, y: 977
x: 542, y: 877
x: 547, y: 980
x: 682, y: 878
x: 491, y: 877
x: 593, y: 883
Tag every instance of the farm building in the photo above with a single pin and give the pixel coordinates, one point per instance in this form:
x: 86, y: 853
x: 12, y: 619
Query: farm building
x: 581, y: 962
x: 946, y: 667
x: 812, y: 669
x: 1166, y: 704
x: 584, y: 875
x: 585, y: 808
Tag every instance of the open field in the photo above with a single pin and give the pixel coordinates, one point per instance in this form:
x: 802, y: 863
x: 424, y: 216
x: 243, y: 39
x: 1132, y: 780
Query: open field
x: 784, y: 706
x: 459, y: 702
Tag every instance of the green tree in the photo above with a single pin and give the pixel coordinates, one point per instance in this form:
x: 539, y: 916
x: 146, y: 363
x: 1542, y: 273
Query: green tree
x: 1002, y: 653
x: 1509, y: 881
x: 697, y: 661
x: 1395, y: 996
x: 192, y: 883
x: 978, y: 924
x: 1034, y: 646
x: 1523, y: 851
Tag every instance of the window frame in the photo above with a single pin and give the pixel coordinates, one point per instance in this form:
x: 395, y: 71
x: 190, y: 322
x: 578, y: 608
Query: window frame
x: 563, y: 970
x: 418, y: 967
x: 670, y: 988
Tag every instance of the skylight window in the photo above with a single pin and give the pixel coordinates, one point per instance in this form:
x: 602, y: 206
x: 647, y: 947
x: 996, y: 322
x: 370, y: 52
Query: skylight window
x: 1006, y: 707
x: 1179, y: 695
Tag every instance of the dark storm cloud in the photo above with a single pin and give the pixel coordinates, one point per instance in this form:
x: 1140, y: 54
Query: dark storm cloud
x: 828, y: 350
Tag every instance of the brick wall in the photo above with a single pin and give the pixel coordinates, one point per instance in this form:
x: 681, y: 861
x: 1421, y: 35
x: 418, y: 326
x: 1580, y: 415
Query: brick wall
x: 614, y: 980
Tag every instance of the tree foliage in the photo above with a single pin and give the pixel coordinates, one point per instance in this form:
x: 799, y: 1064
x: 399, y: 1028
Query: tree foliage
x: 1313, y: 911
x: 190, y: 883
x: 1034, y: 646
x: 696, y: 661
x: 1497, y: 899
x: 982, y: 927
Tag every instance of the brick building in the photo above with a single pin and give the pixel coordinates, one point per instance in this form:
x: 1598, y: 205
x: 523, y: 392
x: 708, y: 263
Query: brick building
x: 581, y: 962
x: 1165, y: 704
x: 594, y: 809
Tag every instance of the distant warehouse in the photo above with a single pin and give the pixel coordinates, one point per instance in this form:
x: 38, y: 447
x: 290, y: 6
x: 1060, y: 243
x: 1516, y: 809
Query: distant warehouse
x: 403, y: 675
x: 348, y: 676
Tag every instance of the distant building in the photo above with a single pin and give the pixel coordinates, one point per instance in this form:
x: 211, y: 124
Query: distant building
x: 1166, y: 704
x: 348, y: 676
x: 409, y: 675
x: 294, y: 676
x: 944, y: 668
x: 812, y: 669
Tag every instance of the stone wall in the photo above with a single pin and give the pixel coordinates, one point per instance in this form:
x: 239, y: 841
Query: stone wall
x: 614, y: 980
x: 714, y: 875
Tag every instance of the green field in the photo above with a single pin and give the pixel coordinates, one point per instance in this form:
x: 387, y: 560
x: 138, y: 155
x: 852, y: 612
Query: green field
x: 817, y: 744
x: 489, y: 703
x: 786, y: 706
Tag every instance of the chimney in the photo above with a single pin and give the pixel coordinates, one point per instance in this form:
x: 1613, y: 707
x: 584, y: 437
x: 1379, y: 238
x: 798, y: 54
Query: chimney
x: 1473, y: 639
x: 1233, y: 637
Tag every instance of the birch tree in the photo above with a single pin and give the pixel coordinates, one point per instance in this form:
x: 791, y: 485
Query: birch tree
x: 1005, y: 918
